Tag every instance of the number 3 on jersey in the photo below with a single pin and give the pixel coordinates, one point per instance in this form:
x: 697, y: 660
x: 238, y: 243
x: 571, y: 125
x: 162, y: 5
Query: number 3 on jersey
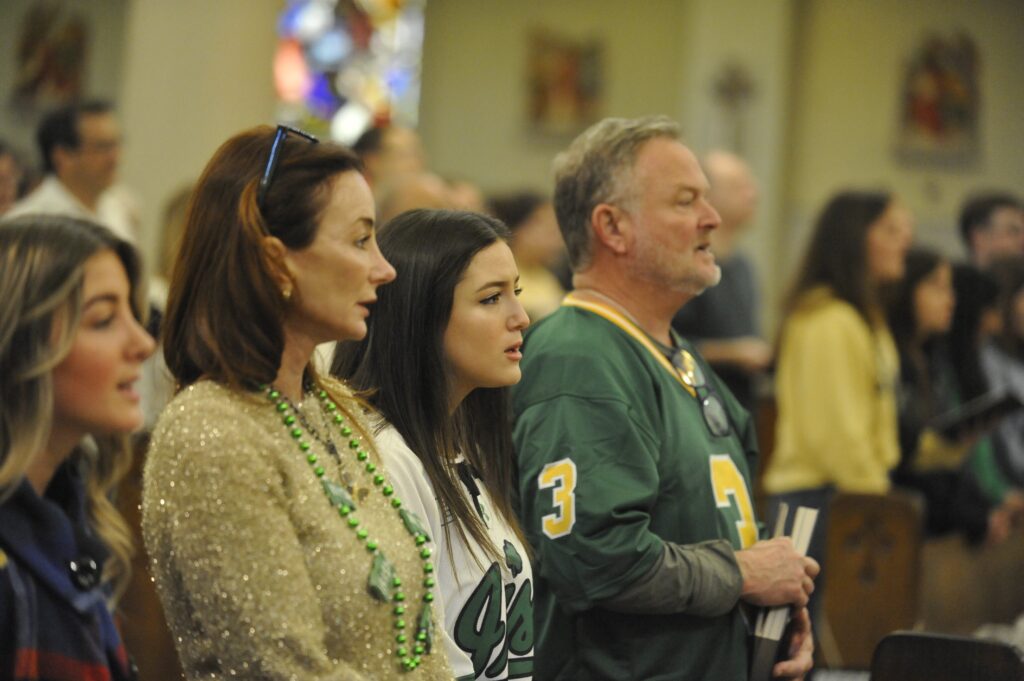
x: 730, y: 488
x: 560, y: 475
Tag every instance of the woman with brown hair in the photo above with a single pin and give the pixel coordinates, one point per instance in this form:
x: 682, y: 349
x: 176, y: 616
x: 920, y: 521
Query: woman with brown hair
x: 279, y: 548
x: 838, y: 367
x: 71, y: 349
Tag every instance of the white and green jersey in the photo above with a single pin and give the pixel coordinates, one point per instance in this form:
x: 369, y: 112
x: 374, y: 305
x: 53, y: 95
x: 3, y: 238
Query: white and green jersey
x: 486, y: 605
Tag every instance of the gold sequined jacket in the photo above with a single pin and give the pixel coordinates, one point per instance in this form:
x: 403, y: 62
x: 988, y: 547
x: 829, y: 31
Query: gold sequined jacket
x: 258, y: 574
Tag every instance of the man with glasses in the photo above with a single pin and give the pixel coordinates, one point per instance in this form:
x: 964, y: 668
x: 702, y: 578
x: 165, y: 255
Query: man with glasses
x: 80, y: 145
x: 634, y: 458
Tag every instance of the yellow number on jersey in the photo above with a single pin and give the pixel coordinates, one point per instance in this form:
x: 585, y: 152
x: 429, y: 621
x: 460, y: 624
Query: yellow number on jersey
x: 727, y: 481
x: 561, y: 475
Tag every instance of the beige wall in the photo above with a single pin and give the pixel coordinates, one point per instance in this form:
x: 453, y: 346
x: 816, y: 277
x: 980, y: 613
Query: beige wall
x: 850, y: 58
x: 196, y: 72
x: 473, y: 106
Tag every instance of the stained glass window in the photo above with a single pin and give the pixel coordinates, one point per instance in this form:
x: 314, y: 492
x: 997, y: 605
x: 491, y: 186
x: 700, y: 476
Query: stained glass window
x: 343, y: 65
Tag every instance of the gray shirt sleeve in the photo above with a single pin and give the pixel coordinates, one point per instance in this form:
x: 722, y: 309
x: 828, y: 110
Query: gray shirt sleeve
x: 697, y: 579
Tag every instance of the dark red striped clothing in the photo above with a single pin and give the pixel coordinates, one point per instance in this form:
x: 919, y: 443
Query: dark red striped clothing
x: 52, y: 626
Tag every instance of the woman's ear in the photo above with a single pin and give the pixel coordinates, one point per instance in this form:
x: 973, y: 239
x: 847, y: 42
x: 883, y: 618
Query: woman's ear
x: 276, y: 254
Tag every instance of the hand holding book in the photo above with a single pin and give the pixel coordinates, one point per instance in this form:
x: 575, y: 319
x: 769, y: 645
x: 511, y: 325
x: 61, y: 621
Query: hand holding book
x: 770, y: 624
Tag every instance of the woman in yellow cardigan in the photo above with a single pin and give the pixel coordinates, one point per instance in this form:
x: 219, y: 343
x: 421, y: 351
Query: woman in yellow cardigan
x: 838, y: 367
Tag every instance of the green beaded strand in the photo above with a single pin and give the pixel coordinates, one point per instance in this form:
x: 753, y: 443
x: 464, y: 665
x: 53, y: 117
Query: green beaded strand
x: 423, y: 639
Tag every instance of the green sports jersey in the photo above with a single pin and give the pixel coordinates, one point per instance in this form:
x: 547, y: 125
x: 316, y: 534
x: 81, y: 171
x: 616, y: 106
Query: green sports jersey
x: 615, y: 457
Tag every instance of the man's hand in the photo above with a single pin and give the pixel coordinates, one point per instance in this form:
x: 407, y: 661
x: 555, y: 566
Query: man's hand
x: 1003, y: 519
x: 775, y: 574
x: 800, y: 656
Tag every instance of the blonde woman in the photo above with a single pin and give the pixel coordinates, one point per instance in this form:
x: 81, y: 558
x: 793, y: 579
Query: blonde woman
x: 71, y: 350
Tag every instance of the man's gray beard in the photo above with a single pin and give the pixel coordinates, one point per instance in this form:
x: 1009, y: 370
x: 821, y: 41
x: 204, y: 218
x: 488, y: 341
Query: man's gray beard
x: 716, y: 282
x: 718, y: 275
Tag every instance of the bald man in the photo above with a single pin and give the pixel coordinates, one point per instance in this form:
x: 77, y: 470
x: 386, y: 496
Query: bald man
x: 724, y: 321
x: 390, y: 153
x: 419, y: 190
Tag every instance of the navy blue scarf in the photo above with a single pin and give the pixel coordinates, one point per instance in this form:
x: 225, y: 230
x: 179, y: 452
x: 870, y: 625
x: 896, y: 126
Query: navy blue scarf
x: 54, y: 620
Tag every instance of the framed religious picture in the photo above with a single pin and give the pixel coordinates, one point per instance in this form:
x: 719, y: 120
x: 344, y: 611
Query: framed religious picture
x: 50, y: 51
x: 939, y: 103
x: 565, y: 82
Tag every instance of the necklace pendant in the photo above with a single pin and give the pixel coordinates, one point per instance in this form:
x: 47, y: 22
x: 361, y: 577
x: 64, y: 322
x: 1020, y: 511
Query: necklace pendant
x: 425, y: 628
x: 382, y: 578
x: 413, y: 523
x: 338, y: 495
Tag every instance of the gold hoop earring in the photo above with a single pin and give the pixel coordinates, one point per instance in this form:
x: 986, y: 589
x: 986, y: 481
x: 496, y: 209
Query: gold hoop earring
x: 286, y: 293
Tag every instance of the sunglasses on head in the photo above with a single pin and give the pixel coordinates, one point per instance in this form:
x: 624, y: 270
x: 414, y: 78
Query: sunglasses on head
x: 275, y: 156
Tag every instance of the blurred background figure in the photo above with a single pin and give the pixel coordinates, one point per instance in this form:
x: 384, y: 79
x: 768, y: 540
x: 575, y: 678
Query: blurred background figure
x: 962, y: 488
x: 169, y: 239
x: 992, y: 227
x: 537, y: 246
x: 1002, y: 360
x: 80, y: 148
x: 12, y: 178
x: 838, y: 367
x: 411, y: 191
x: 466, y: 195
x: 389, y: 152
x: 724, y: 321
x: 157, y: 382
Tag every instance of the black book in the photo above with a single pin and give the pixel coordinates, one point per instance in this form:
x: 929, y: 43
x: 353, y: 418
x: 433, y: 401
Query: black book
x: 978, y: 414
x: 770, y: 642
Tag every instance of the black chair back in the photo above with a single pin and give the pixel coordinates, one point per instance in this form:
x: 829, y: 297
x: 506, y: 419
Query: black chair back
x: 915, y: 656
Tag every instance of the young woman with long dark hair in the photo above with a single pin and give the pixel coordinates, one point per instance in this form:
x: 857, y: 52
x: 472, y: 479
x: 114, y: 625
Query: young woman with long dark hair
x: 838, y: 367
x: 443, y: 343
x: 931, y: 327
x: 279, y: 547
x: 71, y: 350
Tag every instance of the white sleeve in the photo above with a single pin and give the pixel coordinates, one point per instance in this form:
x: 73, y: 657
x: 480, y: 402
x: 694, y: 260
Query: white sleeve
x: 407, y: 475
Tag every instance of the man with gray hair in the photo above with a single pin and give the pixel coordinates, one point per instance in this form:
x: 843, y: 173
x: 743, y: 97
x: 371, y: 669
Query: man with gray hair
x: 634, y: 458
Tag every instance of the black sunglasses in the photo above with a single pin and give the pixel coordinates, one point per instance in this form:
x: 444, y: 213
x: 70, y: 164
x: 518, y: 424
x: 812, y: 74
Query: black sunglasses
x: 275, y: 156
x: 715, y: 416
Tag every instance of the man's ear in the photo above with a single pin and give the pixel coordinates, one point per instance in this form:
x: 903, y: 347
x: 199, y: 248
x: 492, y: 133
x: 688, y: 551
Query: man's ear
x: 276, y: 254
x: 611, y: 227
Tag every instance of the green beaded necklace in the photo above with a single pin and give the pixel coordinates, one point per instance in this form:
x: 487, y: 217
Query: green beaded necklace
x: 383, y: 584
